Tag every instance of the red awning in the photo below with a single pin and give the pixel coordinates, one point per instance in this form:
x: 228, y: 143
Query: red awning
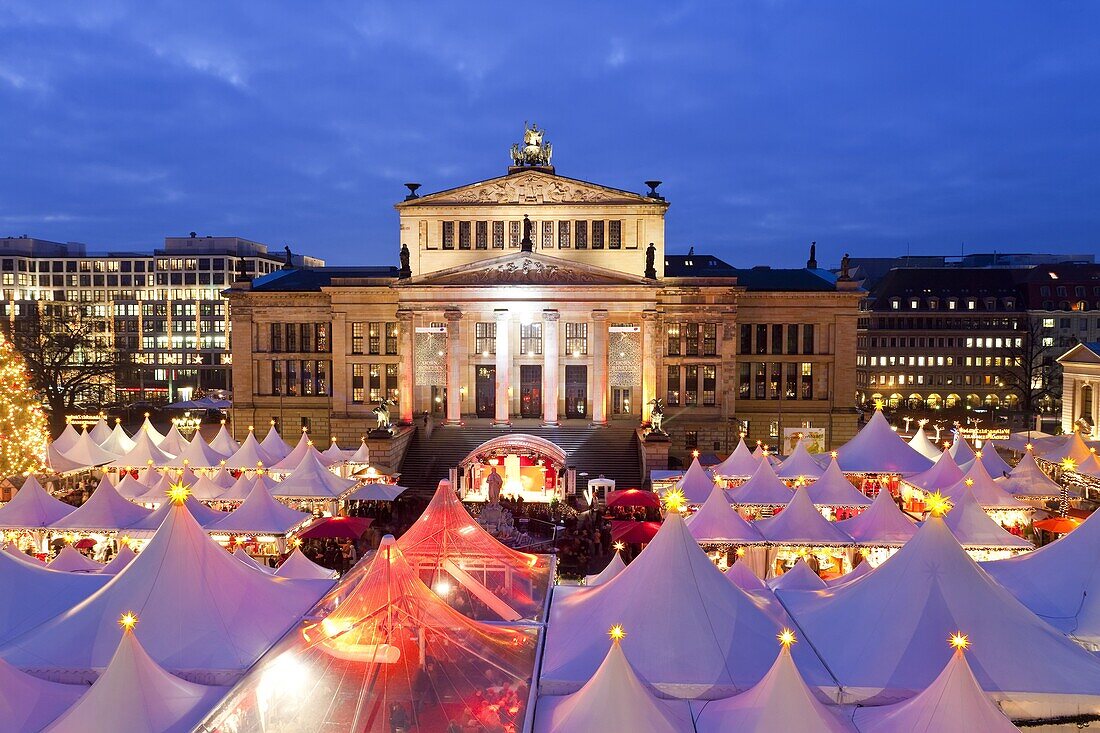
x: 633, y: 497
x: 633, y: 533
x: 1058, y: 525
x: 351, y: 528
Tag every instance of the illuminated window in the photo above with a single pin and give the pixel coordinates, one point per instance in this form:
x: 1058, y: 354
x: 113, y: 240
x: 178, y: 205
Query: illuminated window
x: 672, y: 331
x: 576, y: 338
x: 513, y: 234
x: 548, y: 235
x: 710, y: 380
x: 485, y: 338
x: 614, y: 234
x: 597, y: 234
x: 673, y: 392
x: 691, y: 385
x: 530, y: 338
x: 357, y: 330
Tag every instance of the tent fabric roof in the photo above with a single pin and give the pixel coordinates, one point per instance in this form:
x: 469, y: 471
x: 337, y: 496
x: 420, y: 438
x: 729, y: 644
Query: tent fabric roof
x: 148, y: 429
x: 800, y: 523
x: 297, y: 565
x: 800, y: 464
x: 725, y: 639
x: 240, y: 489
x: 223, y: 442
x: 991, y: 459
x: 1058, y: 582
x: 222, y: 477
x: 200, y: 608
x: 878, y: 449
x: 130, y: 488
x: 739, y: 464
x: 1028, y: 480
x: 763, y: 489
x: 361, y: 454
x: 953, y: 703
x: 174, y: 443
x: 334, y: 454
x: 744, y: 578
x: 32, y: 506
x: 158, y: 492
x: 100, y: 431
x: 196, y: 454
x: 855, y: 574
x: 1072, y: 446
x: 717, y: 521
x: 144, y: 453
x: 136, y: 695
x: 206, y: 489
x: 780, y: 701
x: 799, y: 577
x: 251, y: 562
x: 927, y: 590
x: 921, y: 443
x: 943, y: 473
x: 249, y: 456
x: 86, y: 453
x: 359, y: 652
x: 118, y: 442
x: 614, y: 566
x: 960, y: 450
x: 261, y: 513
x: 376, y: 492
x: 312, y: 479
x: 118, y: 562
x: 67, y: 439
x: 291, y: 460
x: 975, y: 529
x: 204, y: 515
x: 34, y: 593
x: 989, y: 493
x: 696, y: 483
x: 71, y: 561
x: 105, y: 509
x: 613, y: 699
x: 274, y: 445
x: 28, y: 703
x: 834, y: 489
x: 882, y: 524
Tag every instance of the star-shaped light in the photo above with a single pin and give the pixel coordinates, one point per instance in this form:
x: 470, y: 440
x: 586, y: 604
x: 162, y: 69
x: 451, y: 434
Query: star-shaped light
x: 178, y: 493
x: 833, y: 454
x: 675, y: 500
x: 786, y: 638
x: 695, y: 453
x: 617, y: 633
x: 128, y: 621
x: 937, y: 504
x: 619, y: 546
x: 959, y: 640
x: 969, y: 482
x: 740, y: 552
x: 1068, y: 464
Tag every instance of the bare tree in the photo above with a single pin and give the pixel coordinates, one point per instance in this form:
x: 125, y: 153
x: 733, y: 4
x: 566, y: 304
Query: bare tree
x: 1029, y: 369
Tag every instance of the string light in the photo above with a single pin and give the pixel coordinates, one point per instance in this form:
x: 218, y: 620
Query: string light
x: 23, y: 429
x: 128, y: 621
x: 959, y: 640
x: 617, y: 633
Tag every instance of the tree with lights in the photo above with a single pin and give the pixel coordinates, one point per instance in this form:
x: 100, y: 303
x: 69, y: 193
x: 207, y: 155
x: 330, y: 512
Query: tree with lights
x: 23, y: 429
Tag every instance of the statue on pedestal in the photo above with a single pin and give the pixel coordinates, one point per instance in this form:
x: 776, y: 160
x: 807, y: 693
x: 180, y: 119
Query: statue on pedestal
x: 657, y: 416
x: 650, y: 262
x: 406, y: 271
x: 381, y: 411
x: 494, y: 483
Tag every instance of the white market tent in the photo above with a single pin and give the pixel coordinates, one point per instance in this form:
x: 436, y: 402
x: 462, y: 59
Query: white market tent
x: 724, y: 640
x: 801, y: 524
x: 976, y: 530
x: 1059, y: 582
x: 144, y: 453
x: 274, y: 445
x: 1029, y: 481
x: 118, y: 442
x: 763, y: 489
x: 204, y: 515
x: 149, y: 430
x: 250, y: 561
x: 28, y: 703
x: 900, y: 613
x: 799, y: 577
x: 130, y: 488
x: 1018, y: 442
x: 800, y: 464
x: 833, y: 489
x: 34, y: 593
x: 124, y: 557
x: 196, y: 454
x: 1071, y: 446
x: 921, y: 443
x: 953, y: 703
x: 69, y: 560
x: 960, y: 450
x: 856, y: 573
x: 261, y: 513
x: 174, y: 443
x: 613, y: 699
x: 882, y: 524
x: 988, y: 493
x: 85, y: 454
x: 361, y: 454
x: 376, y: 492
x: 991, y: 459
x: 738, y: 465
x: 943, y: 473
x: 312, y: 480
x: 201, y: 610
x: 240, y: 489
x: 100, y: 431
x: 158, y: 493
x: 249, y: 456
x: 334, y: 454
x: 718, y: 522
x: 105, y: 510
x: 223, y: 442
x: 614, y: 566
x: 741, y: 575
x: 297, y: 565
x: 32, y: 507
x: 696, y: 483
x: 222, y: 477
x: 291, y: 460
x: 136, y: 695
x: 781, y: 701
x: 206, y: 489
x: 878, y: 449
x: 67, y: 439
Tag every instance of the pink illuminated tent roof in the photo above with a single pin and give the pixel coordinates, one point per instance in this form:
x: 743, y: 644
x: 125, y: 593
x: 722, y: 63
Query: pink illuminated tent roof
x: 249, y: 456
x: 34, y: 593
x: 799, y: 577
x: 105, y: 510
x: 976, y: 530
x: 988, y: 493
x: 32, y: 506
x: 144, y: 453
x: 1029, y: 481
x: 71, y: 561
x: 147, y: 427
x: 334, y: 454
x: 834, y: 489
x: 85, y: 453
x: 800, y: 464
x: 739, y: 464
x: 960, y: 450
x: 274, y: 445
x: 991, y: 459
x: 118, y: 442
x: 744, y: 578
x: 118, y: 562
x: 1071, y: 446
x: 223, y: 442
x: 196, y: 454
x: 174, y: 443
x: 882, y: 524
x: 251, y: 562
x: 204, y: 515
x: 943, y: 473
x: 878, y: 449
x: 613, y: 568
x: 130, y: 488
x: 763, y: 489
x: 240, y: 489
x: 28, y: 703
x: 311, y: 479
x: 297, y: 565
x: 100, y: 431
x: 855, y: 574
x: 291, y: 460
x: 921, y: 443
x: 205, y: 489
x: 800, y: 523
x: 696, y: 483
x: 261, y: 513
x: 67, y: 439
x: 718, y: 522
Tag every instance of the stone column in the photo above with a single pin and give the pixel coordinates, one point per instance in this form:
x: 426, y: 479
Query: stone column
x: 599, y: 367
x: 338, y: 341
x: 454, y: 366
x: 504, y: 365
x: 650, y: 341
x: 550, y: 359
x: 406, y: 348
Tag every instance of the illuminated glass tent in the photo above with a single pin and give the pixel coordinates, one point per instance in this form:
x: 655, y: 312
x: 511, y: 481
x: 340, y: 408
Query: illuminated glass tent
x: 383, y: 652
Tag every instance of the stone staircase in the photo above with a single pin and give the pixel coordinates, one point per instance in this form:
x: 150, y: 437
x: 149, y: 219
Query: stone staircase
x: 611, y: 451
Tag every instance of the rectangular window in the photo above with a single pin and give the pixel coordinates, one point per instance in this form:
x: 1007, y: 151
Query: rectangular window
x: 291, y: 337
x: 564, y: 241
x: 774, y: 376
x: 448, y: 235
x: 597, y: 234
x: 576, y: 338
x: 321, y: 332
x: 485, y: 338
x: 548, y: 235
x: 277, y: 377
x: 358, y: 388
x: 790, y: 388
x: 358, y: 328
x: 710, y: 381
x: 391, y: 338
x: 614, y: 234
x: 744, y: 380
x: 807, y: 380
x: 391, y: 382
x: 306, y: 336
x: 691, y: 339
x: 808, y: 338
x: 374, y: 338
x: 513, y: 234
x: 691, y: 385
x: 307, y: 378
x: 481, y: 235
x: 374, y: 383
x: 672, y: 330
x: 792, y: 338
x: 530, y: 338
x: 691, y: 439
x: 673, y: 394
x: 777, y: 338
x: 276, y: 338
x: 292, y: 378
x: 760, y: 380
x: 710, y: 339
x: 761, y: 338
x: 498, y: 235
x: 581, y: 235
x: 745, y: 347
x: 464, y: 235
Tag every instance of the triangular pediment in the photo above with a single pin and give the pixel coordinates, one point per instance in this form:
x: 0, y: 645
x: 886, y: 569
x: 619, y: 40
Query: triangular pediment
x: 525, y: 268
x: 1083, y: 353
x: 530, y: 188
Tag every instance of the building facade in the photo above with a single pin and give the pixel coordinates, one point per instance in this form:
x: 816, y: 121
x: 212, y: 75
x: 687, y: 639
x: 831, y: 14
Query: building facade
x: 537, y: 297
x: 163, y: 310
x: 1081, y: 389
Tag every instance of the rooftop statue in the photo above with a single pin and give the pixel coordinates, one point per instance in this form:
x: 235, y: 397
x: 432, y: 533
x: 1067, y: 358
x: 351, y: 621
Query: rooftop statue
x: 533, y: 151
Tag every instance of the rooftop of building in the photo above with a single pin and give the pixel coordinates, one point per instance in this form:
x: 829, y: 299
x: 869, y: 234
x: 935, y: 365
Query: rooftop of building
x: 761, y: 278
x: 189, y: 246
x: 955, y: 282
x: 308, y: 279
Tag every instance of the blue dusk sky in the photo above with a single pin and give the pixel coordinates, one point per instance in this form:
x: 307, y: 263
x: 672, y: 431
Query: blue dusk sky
x: 872, y: 127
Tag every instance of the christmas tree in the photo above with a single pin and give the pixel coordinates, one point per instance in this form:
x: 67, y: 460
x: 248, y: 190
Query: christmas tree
x: 23, y: 431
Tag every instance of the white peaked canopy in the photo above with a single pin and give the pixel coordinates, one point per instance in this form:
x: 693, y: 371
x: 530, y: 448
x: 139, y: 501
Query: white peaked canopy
x: 131, y: 488
x: 136, y: 695
x: 100, y: 431
x: 250, y: 561
x: 781, y: 701
x: 613, y: 699
x: 960, y: 450
x: 222, y: 477
x: 201, y: 609
x: 334, y: 454
x: 206, y: 489
x: 763, y: 489
x: 1072, y: 446
x: 174, y: 443
x: 158, y: 493
x: 104, y: 510
x: 118, y: 562
x: 118, y: 442
x: 32, y: 506
x: 86, y: 453
x: 291, y: 460
x: 297, y: 565
x: 717, y: 521
x: 857, y: 572
x: 361, y: 454
x: 913, y: 601
x: 261, y: 513
x: 376, y: 492
x: 249, y: 456
x: 223, y: 442
x: 1029, y: 481
x: 739, y: 464
x: 741, y: 575
x: 12, y: 549
x: 800, y: 577
x: 67, y: 439
x: 312, y: 480
x: 696, y: 483
x: 240, y: 489
x: 1059, y: 581
x: 800, y: 523
x: 921, y: 443
x: 992, y: 461
x: 953, y: 703
x: 71, y: 561
x: 882, y: 524
x: 34, y: 593
x: 975, y: 529
x: 28, y: 703
x: 989, y: 493
x: 613, y: 568
x: 274, y: 445
x: 878, y: 449
x: 800, y: 464
x: 834, y: 489
x: 943, y: 473
x: 724, y: 640
x: 204, y: 515
x: 1089, y: 467
x: 196, y: 454
x: 148, y: 429
x: 144, y: 453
